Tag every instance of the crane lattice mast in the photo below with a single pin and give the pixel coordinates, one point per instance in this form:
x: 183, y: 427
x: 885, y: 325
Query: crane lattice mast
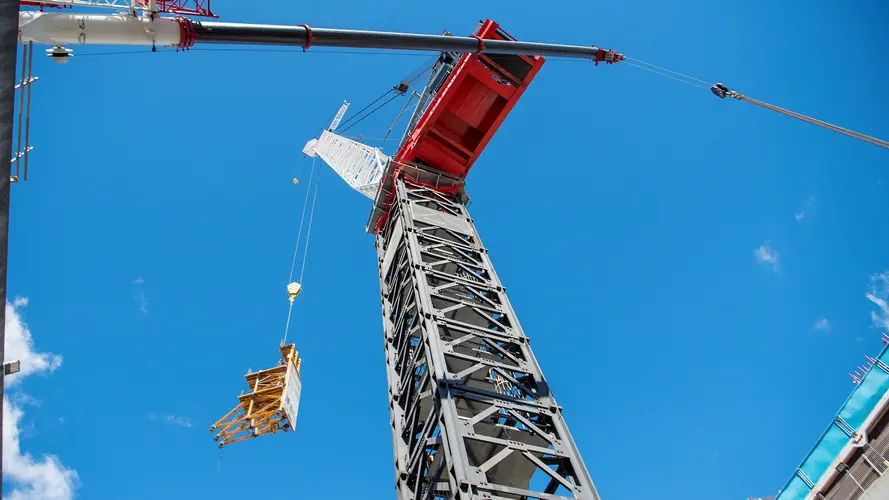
x: 472, y: 414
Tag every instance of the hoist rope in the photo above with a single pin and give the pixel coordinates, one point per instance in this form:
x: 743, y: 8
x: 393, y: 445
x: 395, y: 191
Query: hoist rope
x: 708, y: 84
x: 409, y: 79
x: 365, y: 108
x: 417, y: 73
x: 396, y: 96
x: 670, y: 76
x: 287, y: 327
x: 302, y: 218
x: 302, y: 272
x: 717, y: 88
x: 423, y: 68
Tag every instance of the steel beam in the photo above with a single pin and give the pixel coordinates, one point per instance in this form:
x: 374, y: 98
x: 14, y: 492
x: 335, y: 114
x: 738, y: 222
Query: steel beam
x: 472, y: 415
x: 303, y: 36
x: 57, y: 28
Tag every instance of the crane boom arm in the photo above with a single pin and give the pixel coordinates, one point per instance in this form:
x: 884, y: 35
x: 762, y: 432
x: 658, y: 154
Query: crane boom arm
x: 840, y: 130
x: 56, y: 28
x: 722, y: 92
x: 304, y: 36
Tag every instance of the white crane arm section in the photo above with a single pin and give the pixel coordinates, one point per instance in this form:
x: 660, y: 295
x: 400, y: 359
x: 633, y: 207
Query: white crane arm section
x: 339, y: 116
x: 54, y: 28
x: 360, y: 165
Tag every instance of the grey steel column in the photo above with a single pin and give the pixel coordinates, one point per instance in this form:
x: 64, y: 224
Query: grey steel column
x: 472, y: 415
x: 9, y: 17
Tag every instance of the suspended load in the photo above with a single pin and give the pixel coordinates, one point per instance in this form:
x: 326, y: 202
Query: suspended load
x: 269, y: 407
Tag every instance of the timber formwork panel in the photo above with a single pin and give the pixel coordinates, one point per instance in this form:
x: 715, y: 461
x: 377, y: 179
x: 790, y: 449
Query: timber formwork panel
x: 472, y: 415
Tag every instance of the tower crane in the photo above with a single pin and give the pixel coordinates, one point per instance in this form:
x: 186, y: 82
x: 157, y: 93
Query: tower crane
x: 472, y: 415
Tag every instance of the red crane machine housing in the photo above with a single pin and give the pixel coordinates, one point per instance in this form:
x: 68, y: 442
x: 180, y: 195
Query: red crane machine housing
x: 462, y: 117
x: 475, y: 99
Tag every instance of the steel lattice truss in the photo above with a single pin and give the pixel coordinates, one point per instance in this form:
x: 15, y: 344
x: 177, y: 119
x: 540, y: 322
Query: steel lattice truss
x: 472, y: 415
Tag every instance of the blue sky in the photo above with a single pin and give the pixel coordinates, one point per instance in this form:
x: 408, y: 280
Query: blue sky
x: 693, y: 272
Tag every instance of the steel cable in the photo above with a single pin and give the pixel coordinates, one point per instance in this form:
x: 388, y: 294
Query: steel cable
x: 690, y: 80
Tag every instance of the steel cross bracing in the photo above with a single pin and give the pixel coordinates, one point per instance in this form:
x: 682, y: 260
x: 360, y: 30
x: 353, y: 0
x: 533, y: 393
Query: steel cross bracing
x: 472, y: 415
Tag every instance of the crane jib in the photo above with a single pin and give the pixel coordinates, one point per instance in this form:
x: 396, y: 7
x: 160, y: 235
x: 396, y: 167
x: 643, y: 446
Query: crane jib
x: 59, y: 28
x: 301, y: 36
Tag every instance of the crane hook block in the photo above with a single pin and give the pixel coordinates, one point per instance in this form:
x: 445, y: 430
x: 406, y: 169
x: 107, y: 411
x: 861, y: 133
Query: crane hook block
x: 720, y: 90
x: 293, y: 290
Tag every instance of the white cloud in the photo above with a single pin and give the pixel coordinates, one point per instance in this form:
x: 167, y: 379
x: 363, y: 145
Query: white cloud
x: 31, y: 478
x: 822, y: 324
x: 20, y: 346
x: 765, y: 254
x: 879, y: 294
x: 810, y: 204
x: 173, y: 420
x: 140, y: 295
x: 143, y: 302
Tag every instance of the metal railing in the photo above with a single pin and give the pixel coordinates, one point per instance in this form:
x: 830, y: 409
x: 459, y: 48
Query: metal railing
x: 871, y: 462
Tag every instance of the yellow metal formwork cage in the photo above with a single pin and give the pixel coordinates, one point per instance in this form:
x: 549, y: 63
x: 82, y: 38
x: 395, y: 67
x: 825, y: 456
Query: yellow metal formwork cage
x: 269, y: 407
